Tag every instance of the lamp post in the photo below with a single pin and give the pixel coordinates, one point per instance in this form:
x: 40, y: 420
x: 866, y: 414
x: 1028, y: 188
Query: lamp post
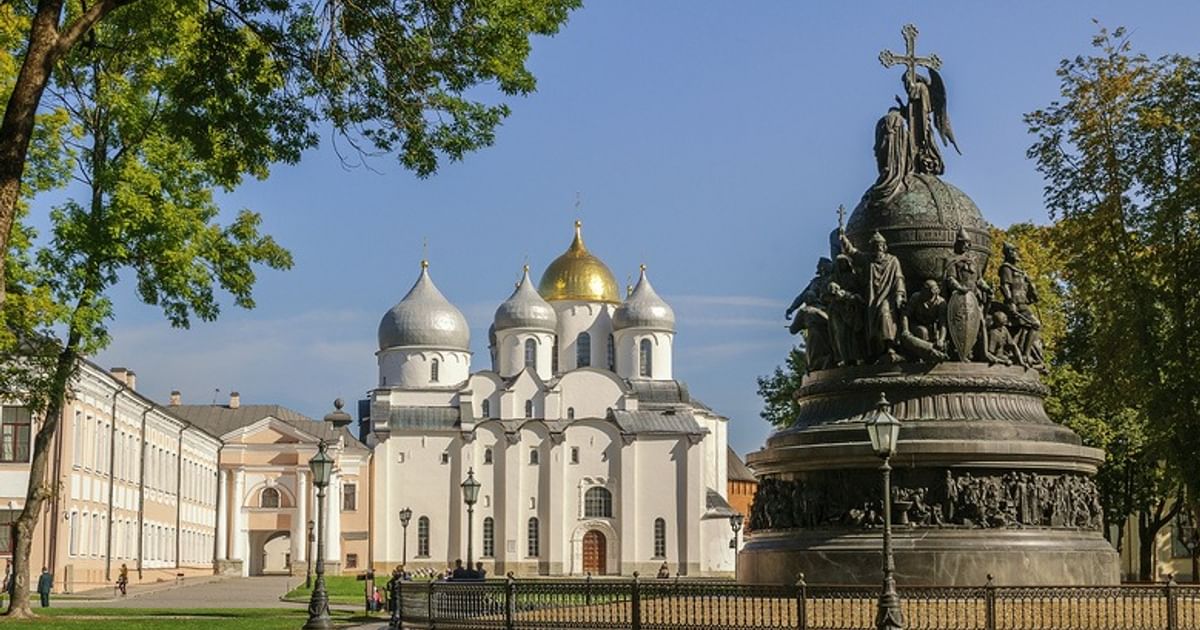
x: 318, y: 606
x: 470, y: 489
x: 308, y: 556
x: 1189, y: 536
x: 735, y: 523
x: 405, y: 517
x: 884, y: 431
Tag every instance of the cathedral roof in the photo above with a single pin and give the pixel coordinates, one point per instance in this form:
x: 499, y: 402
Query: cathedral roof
x: 736, y: 468
x: 644, y: 309
x: 424, y: 318
x: 579, y: 275
x: 526, y: 309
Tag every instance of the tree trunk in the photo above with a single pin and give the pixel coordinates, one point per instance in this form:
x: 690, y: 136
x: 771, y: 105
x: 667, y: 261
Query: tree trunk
x: 40, y: 488
x: 1146, y: 544
x: 16, y: 129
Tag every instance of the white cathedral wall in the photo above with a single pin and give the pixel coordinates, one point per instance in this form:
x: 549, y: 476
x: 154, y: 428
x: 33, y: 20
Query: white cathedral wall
x: 590, y: 393
x: 628, y: 344
x: 511, y: 348
x: 574, y: 317
x: 716, y: 453
x: 412, y: 475
x: 413, y: 367
x: 718, y: 556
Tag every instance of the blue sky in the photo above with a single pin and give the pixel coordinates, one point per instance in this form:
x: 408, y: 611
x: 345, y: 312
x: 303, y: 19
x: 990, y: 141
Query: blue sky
x: 710, y: 140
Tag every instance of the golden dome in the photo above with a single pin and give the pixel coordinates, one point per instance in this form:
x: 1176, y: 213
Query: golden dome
x: 578, y: 275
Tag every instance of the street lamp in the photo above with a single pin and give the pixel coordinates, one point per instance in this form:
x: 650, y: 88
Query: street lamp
x: 1189, y: 536
x: 308, y: 555
x: 470, y: 489
x: 318, y: 606
x: 405, y: 517
x: 884, y: 430
x: 735, y: 523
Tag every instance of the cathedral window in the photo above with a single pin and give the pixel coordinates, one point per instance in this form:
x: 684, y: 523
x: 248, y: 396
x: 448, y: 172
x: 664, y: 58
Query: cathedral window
x: 570, y: 413
x: 487, y: 455
x: 660, y: 538
x: 554, y: 356
x: 433, y: 370
x: 574, y: 454
x: 445, y: 458
x: 533, y: 546
x: 644, y: 358
x: 489, y: 537
x: 269, y: 498
x: 486, y: 409
x: 597, y: 503
x: 423, y: 537
x: 612, y: 353
x: 528, y: 408
x: 349, y: 497
x: 583, y: 350
x: 531, y: 354
x: 534, y: 456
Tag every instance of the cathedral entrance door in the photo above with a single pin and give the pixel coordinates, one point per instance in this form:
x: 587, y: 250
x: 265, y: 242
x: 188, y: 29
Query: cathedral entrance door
x: 595, y: 553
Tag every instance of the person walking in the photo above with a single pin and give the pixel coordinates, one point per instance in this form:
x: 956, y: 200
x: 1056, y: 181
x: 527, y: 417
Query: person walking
x: 45, y: 583
x: 123, y: 579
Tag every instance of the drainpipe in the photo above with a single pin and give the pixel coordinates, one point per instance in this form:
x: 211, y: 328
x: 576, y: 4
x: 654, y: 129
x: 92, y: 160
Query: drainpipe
x: 112, y: 462
x: 142, y: 495
x: 179, y: 492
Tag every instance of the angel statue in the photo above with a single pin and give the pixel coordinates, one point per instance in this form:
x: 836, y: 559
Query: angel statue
x: 904, y: 140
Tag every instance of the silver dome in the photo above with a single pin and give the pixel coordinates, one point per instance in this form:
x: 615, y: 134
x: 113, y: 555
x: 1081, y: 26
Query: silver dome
x: 644, y: 309
x: 424, y: 318
x: 525, y: 308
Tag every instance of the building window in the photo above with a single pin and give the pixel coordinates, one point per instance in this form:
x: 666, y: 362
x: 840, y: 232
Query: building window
x: 597, y: 503
x: 73, y: 526
x: 644, y: 358
x: 532, y: 548
x: 445, y: 458
x: 433, y: 370
x: 528, y: 408
x: 487, y: 455
x: 612, y: 353
x: 660, y: 538
x: 531, y: 354
x: 14, y: 434
x: 486, y: 408
x: 574, y: 454
x: 423, y: 537
x: 351, y: 561
x: 570, y: 413
x: 534, y: 456
x: 554, y: 356
x: 489, y: 537
x: 350, y: 497
x: 583, y: 350
x: 269, y: 498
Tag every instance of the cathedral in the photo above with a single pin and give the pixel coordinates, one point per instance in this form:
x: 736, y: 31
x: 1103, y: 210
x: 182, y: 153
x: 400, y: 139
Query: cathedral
x: 592, y: 458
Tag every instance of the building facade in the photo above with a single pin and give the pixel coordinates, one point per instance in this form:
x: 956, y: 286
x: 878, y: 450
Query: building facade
x: 593, y: 459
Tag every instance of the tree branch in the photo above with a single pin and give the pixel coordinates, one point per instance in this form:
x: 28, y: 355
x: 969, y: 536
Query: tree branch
x: 84, y: 23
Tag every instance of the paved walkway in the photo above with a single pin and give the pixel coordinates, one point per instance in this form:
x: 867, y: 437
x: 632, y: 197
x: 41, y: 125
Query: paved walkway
x: 255, y: 592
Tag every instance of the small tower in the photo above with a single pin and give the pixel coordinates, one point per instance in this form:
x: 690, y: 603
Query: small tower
x: 583, y: 292
x: 424, y: 340
x: 644, y: 328
x: 525, y: 326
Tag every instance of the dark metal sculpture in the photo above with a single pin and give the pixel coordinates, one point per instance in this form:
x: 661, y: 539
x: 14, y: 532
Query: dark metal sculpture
x: 923, y: 114
x: 884, y: 293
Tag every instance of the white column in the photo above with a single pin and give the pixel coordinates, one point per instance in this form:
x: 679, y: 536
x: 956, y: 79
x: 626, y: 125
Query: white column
x: 696, y: 497
x: 627, y: 495
x: 514, y: 508
x: 333, y: 516
x: 222, y: 514
x: 237, y: 532
x: 555, y: 529
x: 300, y: 527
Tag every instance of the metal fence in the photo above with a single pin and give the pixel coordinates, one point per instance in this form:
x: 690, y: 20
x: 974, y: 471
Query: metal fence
x: 637, y: 604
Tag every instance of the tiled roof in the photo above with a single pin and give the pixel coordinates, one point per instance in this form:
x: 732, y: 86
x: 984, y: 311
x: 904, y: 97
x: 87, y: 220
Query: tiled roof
x: 221, y: 419
x: 716, y: 505
x: 666, y: 421
x: 737, y: 469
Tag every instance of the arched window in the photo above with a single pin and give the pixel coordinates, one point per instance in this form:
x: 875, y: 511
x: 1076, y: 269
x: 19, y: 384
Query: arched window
x: 570, y: 413
x: 554, y: 356
x: 531, y: 354
x: 583, y: 350
x: 269, y: 498
x: 487, y: 455
x: 489, y: 537
x: 433, y: 370
x: 533, y: 546
x: 487, y: 408
x: 423, y: 537
x: 528, y: 408
x: 612, y: 353
x: 660, y: 538
x: 644, y: 358
x: 597, y: 503
x: 534, y: 456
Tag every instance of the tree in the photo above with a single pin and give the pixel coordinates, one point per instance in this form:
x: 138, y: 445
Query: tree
x: 1119, y: 153
x: 778, y: 390
x: 147, y: 212
x: 389, y: 75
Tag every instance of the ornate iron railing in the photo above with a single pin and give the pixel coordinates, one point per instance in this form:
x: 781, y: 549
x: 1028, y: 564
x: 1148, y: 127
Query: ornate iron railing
x: 637, y: 604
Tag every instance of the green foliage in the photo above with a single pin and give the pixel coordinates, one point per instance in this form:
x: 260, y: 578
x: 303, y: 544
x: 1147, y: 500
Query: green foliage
x: 1043, y: 263
x: 778, y: 390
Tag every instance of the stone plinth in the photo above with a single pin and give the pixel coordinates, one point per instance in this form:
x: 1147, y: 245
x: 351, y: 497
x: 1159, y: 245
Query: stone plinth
x: 983, y: 483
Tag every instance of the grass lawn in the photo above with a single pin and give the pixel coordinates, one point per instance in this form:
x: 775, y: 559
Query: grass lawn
x: 154, y: 619
x: 342, y: 589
